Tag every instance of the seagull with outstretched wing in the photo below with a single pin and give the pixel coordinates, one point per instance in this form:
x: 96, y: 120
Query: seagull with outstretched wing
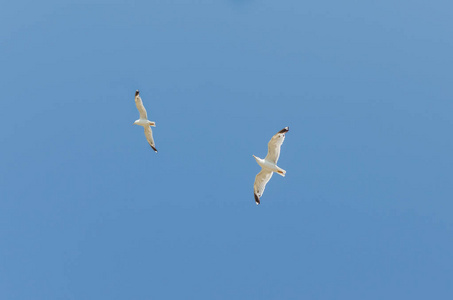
x: 269, y: 164
x: 143, y: 121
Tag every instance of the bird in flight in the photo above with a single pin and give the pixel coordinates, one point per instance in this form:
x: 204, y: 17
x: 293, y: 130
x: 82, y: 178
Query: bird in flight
x: 269, y: 164
x: 143, y: 121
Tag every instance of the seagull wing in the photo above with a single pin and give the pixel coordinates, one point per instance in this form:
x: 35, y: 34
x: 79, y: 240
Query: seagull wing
x: 274, y: 145
x: 149, y: 137
x: 141, y: 108
x: 261, y: 179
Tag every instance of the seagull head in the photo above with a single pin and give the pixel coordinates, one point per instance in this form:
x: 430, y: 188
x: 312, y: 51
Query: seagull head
x: 136, y: 92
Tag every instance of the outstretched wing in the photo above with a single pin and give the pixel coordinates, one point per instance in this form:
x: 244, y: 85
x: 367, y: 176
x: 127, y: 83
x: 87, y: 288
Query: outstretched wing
x: 141, y: 108
x: 149, y: 137
x: 274, y: 145
x: 261, y: 179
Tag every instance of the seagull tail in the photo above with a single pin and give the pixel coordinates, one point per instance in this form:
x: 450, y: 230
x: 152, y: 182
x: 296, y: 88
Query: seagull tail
x: 281, y: 172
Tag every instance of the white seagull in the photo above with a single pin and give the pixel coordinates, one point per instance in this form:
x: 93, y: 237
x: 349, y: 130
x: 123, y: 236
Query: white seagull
x: 269, y: 164
x: 143, y: 121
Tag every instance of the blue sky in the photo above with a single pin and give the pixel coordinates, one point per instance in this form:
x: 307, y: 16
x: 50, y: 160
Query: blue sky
x: 88, y: 211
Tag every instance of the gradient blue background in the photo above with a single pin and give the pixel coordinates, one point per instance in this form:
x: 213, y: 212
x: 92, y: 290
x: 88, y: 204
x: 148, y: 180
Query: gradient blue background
x: 89, y: 211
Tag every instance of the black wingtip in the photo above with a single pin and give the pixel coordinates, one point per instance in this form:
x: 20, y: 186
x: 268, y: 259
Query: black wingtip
x: 257, y: 199
x: 284, y: 130
x: 136, y: 93
x: 155, y: 150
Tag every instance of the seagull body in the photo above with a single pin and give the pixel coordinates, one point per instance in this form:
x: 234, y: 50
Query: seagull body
x: 269, y: 164
x: 143, y: 121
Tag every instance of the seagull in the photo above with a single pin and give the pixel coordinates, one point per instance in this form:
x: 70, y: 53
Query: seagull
x: 143, y: 121
x: 269, y: 164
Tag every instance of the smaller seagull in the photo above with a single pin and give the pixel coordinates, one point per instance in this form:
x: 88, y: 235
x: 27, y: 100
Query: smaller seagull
x: 143, y: 121
x: 269, y: 164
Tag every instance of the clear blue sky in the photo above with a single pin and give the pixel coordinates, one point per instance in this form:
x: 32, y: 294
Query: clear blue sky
x: 89, y: 211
